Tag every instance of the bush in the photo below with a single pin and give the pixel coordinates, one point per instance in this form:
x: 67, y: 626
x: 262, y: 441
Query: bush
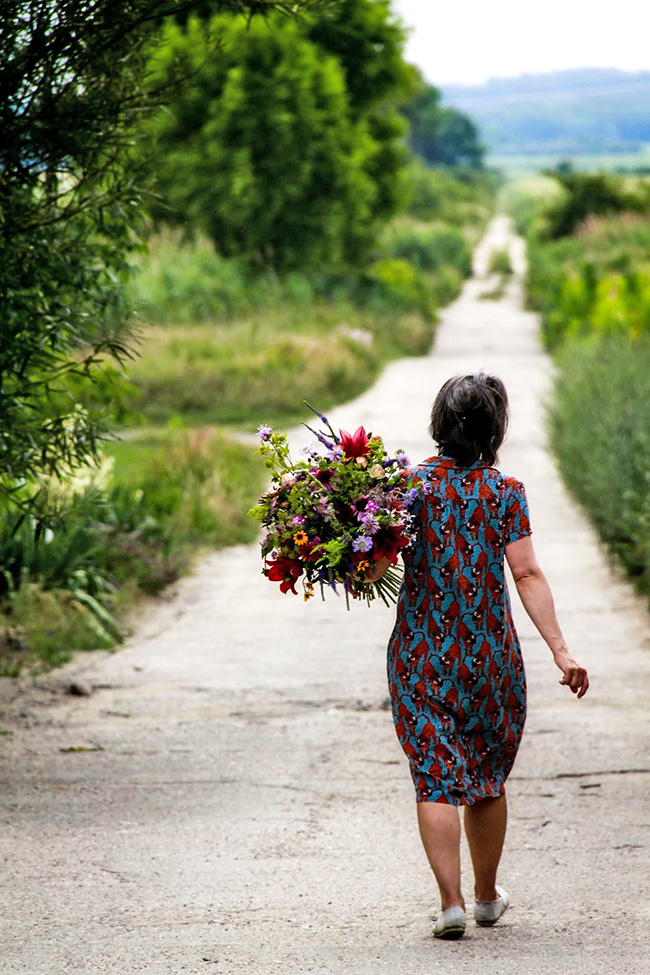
x: 430, y: 248
x: 439, y: 194
x: 587, y: 195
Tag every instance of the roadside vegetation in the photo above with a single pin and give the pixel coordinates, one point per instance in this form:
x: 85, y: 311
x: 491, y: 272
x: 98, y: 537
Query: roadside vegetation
x: 592, y: 288
x: 285, y: 268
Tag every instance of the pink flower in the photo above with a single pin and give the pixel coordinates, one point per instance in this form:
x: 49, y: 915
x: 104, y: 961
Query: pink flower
x: 354, y: 444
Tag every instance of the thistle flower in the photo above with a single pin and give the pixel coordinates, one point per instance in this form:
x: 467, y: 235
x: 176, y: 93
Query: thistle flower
x: 264, y: 432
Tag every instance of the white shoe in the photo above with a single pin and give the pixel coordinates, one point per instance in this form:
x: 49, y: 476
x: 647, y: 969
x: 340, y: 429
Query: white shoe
x: 451, y: 923
x: 487, y: 913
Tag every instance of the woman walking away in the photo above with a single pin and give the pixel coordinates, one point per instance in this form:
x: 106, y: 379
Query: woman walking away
x: 456, y: 675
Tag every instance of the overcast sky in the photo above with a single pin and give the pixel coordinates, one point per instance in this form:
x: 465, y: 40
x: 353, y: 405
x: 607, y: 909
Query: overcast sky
x: 472, y: 40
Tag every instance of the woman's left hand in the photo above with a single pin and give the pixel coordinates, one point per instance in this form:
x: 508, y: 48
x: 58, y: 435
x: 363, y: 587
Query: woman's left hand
x: 575, y: 677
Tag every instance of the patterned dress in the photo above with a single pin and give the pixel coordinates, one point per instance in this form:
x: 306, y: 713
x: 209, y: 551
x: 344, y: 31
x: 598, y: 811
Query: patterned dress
x: 455, y: 672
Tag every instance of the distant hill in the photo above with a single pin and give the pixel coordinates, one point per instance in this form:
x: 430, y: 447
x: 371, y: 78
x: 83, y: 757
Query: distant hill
x: 577, y: 112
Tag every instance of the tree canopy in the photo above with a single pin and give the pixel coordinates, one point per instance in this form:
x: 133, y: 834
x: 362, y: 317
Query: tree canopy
x: 286, y: 148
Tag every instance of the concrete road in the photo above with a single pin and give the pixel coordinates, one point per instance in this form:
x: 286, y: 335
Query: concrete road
x: 244, y: 806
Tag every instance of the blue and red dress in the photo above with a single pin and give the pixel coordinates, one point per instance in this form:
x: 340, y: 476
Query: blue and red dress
x: 455, y: 671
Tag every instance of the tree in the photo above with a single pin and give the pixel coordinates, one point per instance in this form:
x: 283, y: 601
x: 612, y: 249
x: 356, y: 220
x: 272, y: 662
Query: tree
x: 442, y: 136
x: 368, y: 40
x: 283, y: 149
x: 71, y: 97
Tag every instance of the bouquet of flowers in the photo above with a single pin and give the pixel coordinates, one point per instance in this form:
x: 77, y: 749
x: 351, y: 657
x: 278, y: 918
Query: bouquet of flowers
x: 331, y: 516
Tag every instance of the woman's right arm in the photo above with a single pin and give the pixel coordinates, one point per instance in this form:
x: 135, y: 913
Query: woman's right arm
x: 377, y: 570
x: 535, y: 594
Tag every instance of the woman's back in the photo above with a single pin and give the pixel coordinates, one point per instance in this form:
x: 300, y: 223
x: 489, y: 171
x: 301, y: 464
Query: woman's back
x: 464, y: 518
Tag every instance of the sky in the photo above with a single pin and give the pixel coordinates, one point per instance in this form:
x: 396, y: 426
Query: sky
x: 469, y: 41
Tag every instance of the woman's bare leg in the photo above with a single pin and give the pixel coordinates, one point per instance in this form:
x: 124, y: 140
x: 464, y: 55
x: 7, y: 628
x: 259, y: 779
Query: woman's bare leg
x: 440, y: 832
x: 485, y: 828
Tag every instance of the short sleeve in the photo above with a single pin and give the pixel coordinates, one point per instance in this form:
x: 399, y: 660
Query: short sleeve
x: 517, y: 520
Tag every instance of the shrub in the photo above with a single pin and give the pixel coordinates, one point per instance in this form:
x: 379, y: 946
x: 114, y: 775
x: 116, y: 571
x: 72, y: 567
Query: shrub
x: 430, y: 248
x: 439, y: 194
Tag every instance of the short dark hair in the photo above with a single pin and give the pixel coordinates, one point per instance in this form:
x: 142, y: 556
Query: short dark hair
x: 469, y: 418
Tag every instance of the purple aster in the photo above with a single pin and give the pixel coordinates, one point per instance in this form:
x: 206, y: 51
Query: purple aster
x: 264, y: 432
x: 402, y: 459
x: 336, y: 453
x: 362, y: 544
x: 370, y: 523
x: 411, y: 495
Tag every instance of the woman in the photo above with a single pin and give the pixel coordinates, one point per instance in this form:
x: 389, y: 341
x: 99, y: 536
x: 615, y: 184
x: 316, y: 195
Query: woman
x: 455, y: 670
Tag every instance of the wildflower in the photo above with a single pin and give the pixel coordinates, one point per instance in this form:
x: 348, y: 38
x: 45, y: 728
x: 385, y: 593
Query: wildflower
x: 264, y: 432
x: 308, y: 590
x: 285, y: 571
x: 370, y: 523
x: 335, y: 453
x: 300, y: 538
x: 306, y: 448
x: 372, y: 507
x: 324, y: 509
x: 363, y: 566
x: 288, y: 480
x: 402, y: 459
x: 362, y: 544
x: 354, y: 444
x: 298, y: 520
x: 377, y: 471
x: 410, y: 496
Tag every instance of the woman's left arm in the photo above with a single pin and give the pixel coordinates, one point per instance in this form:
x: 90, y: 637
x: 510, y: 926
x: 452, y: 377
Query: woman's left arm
x: 535, y: 594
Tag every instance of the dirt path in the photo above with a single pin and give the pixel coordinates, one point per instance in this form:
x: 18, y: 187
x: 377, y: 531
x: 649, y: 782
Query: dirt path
x: 250, y: 809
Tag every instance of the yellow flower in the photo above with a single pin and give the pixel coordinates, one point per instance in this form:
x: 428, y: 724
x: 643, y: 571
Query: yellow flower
x: 309, y: 591
x: 300, y: 538
x: 363, y: 566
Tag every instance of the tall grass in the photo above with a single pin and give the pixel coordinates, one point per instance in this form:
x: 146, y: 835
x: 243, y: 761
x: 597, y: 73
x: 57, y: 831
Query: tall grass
x: 600, y: 431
